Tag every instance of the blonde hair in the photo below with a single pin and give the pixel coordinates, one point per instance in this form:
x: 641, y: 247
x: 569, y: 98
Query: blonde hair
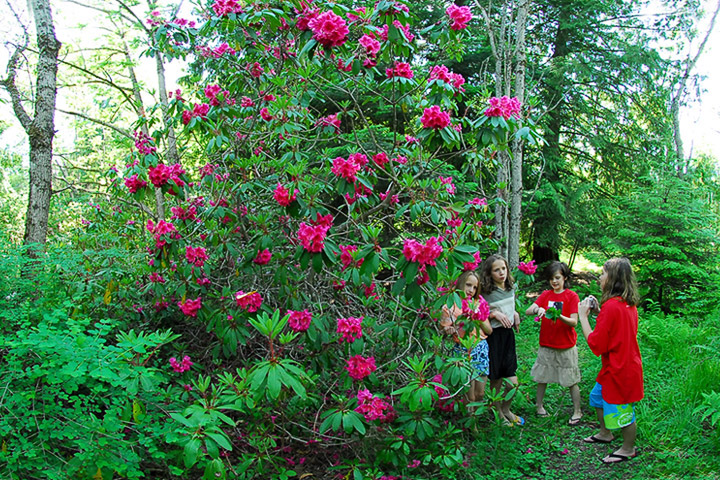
x: 487, y: 285
x: 620, y: 281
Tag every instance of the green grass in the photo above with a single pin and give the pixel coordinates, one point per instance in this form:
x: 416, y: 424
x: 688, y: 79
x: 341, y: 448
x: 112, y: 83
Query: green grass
x: 680, y: 362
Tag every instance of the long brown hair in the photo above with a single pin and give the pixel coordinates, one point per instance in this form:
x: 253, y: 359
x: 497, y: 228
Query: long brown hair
x: 487, y: 285
x: 620, y: 281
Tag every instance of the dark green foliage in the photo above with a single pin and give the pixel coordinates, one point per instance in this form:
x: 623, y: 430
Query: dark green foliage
x: 669, y: 232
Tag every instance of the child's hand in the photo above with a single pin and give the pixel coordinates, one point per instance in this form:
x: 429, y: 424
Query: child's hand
x: 503, y: 319
x: 540, y: 313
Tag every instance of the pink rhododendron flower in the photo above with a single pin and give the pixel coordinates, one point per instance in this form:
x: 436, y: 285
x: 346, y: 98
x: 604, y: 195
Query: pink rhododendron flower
x: 350, y: 328
x: 370, y: 291
x: 325, y: 220
x: 476, y: 309
x: 360, y: 367
x: 448, y: 182
x: 358, y: 159
x: 329, y: 121
x: 425, y: 254
x: 144, y: 143
x: 504, y: 106
x: 441, y: 72
x: 459, y: 17
x: 401, y: 69
x: 345, y: 169
x: 156, y: 278
x: 478, y: 202
x: 435, y: 118
x: 346, y: 257
x: 528, y: 268
x: 255, y: 69
x: 329, y: 29
x: 196, y: 256
x: 246, y: 102
x: 299, y: 321
x: 373, y: 408
x: 381, y: 159
x: 265, y: 114
x: 282, y: 195
x: 312, y: 237
x: 472, y: 265
x: 191, y: 307
x: 134, y: 184
x: 249, y: 301
x: 181, y: 367
x: 263, y: 257
x: 223, y: 7
x: 372, y: 46
x: 303, y: 22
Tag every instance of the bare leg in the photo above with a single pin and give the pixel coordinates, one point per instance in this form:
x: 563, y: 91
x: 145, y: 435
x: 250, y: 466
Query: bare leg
x: 513, y: 382
x: 629, y: 434
x: 604, y: 433
x: 497, y: 405
x: 539, y: 396
x: 479, y: 388
x: 575, y: 396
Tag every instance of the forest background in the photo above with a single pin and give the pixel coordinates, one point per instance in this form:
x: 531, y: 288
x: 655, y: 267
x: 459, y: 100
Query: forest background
x: 240, y: 278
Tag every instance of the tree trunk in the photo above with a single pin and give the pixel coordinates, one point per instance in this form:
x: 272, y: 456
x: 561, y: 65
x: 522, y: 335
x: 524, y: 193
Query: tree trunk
x: 40, y: 129
x: 516, y: 184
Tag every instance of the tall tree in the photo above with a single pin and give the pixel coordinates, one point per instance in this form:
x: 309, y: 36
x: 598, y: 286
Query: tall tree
x: 40, y: 128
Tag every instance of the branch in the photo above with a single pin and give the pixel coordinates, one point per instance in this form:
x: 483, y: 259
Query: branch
x: 119, y: 130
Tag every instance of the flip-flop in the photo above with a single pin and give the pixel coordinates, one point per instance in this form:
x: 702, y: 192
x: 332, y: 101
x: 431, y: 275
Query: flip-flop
x: 623, y: 458
x: 518, y: 420
x: 574, y: 421
x: 544, y: 414
x: 594, y: 439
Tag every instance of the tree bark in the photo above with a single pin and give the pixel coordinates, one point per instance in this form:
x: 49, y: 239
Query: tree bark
x: 516, y: 184
x: 40, y: 128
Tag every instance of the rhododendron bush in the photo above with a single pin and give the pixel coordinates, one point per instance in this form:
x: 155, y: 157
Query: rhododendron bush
x: 309, y: 246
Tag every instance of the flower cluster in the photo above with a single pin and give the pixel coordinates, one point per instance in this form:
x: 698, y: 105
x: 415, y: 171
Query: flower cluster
x: 191, y: 307
x: 504, y: 106
x: 201, y: 110
x: 401, y: 69
x: 350, y: 328
x: 133, y: 183
x: 426, y: 254
x: 435, y: 118
x: 346, y: 257
x: 346, y: 169
x: 329, y: 29
x: 374, y: 408
x: 459, y: 17
x: 528, y: 268
x: 441, y: 72
x: 299, y: 321
x: 250, y: 301
x: 160, y: 175
x: 162, y: 228
x: 312, y: 237
x: 144, y: 144
x: 263, y: 257
x: 282, y: 195
x: 477, y: 310
x: 359, y: 367
x: 181, y: 367
x: 474, y: 264
x: 329, y: 121
x: 196, y: 256
x: 224, y: 7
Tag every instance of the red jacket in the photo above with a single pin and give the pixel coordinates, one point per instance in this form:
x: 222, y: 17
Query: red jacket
x: 615, y: 340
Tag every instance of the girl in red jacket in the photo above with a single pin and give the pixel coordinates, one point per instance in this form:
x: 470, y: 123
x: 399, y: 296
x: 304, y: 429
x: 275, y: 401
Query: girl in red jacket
x: 614, y: 339
x: 557, y: 358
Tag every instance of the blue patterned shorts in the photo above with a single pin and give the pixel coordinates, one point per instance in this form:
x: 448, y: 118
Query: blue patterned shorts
x: 480, y: 359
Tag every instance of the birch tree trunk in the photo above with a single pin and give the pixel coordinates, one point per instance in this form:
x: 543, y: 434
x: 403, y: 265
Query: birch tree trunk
x: 40, y: 128
x: 516, y: 184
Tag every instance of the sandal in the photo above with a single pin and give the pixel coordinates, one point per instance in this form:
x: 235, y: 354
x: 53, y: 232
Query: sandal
x: 574, y: 421
x: 594, y: 439
x: 619, y: 456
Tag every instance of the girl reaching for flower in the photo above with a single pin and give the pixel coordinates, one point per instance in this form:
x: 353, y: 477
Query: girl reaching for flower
x: 557, y: 358
x: 452, y: 323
